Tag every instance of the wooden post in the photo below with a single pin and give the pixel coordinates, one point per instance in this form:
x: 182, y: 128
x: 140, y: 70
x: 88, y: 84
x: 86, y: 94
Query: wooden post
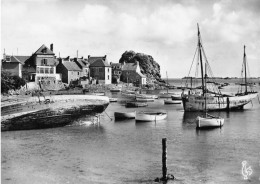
x: 164, y: 159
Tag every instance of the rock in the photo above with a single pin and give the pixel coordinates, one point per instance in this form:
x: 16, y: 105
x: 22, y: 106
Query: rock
x: 149, y: 67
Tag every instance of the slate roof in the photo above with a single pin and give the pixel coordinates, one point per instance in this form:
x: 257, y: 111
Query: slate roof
x: 18, y: 59
x: 42, y: 48
x: 93, y: 59
x: 71, y: 66
x: 82, y: 63
x: 99, y: 63
x: 129, y: 66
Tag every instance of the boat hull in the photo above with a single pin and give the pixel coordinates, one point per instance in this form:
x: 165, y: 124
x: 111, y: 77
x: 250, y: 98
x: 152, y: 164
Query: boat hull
x: 124, y: 115
x: 54, y: 111
x: 171, y: 102
x: 136, y: 104
x: 197, y: 103
x: 209, y: 122
x: 147, y: 116
x: 144, y: 99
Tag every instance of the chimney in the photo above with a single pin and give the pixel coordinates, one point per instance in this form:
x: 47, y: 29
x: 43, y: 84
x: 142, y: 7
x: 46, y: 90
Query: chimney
x: 88, y: 56
x: 105, y: 56
x: 51, y: 47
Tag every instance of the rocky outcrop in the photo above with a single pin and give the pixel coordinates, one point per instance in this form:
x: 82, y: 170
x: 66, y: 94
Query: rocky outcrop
x: 149, y: 67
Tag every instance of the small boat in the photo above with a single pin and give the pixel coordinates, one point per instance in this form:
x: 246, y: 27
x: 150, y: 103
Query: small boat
x: 96, y: 93
x: 150, y: 116
x: 171, y: 102
x: 115, y: 89
x: 209, y: 121
x: 136, y: 104
x: 176, y: 96
x: 112, y: 99
x: 144, y: 99
x: 124, y: 115
x: 146, y: 96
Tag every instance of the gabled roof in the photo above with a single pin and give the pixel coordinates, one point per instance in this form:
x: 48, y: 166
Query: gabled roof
x: 100, y: 63
x: 44, y: 50
x: 141, y: 75
x: 129, y: 66
x: 71, y: 66
x: 17, y: 59
x: 22, y: 59
x: 82, y: 63
x: 93, y: 59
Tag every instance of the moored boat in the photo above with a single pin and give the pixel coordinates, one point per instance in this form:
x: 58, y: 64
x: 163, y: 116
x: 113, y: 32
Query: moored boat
x: 136, y: 104
x: 146, y: 96
x: 176, y: 96
x: 115, y: 89
x: 124, y: 115
x: 151, y: 116
x: 195, y: 99
x: 209, y: 122
x: 166, y: 101
x: 112, y: 99
x: 144, y: 99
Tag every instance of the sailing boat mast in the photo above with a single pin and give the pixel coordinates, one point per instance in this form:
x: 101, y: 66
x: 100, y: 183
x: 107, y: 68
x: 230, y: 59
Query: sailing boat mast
x: 167, y: 82
x: 245, y: 68
x: 206, y: 89
x: 201, y: 65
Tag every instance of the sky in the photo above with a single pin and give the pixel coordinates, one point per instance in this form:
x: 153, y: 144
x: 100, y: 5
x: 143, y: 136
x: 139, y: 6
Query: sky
x: 164, y: 29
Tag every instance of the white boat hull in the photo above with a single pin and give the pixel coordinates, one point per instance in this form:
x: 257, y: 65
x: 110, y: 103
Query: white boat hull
x: 209, y: 122
x: 150, y: 116
x: 197, y: 103
x: 144, y: 99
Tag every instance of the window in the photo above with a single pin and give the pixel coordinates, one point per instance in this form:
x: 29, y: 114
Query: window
x: 38, y: 70
x: 108, y: 70
x: 108, y: 77
x: 119, y: 72
x: 41, y: 70
x: 78, y: 73
x: 44, y: 62
x: 51, y: 70
x: 46, y: 70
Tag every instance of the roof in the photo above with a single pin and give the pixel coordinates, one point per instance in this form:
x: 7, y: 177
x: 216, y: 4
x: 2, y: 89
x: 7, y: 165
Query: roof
x: 93, y: 59
x: 82, y: 63
x: 71, y: 66
x: 99, y: 63
x: 116, y: 64
x: 44, y: 50
x: 17, y: 59
x: 129, y: 66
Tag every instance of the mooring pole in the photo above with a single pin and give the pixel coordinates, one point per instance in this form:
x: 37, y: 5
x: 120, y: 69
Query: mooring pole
x: 164, y: 159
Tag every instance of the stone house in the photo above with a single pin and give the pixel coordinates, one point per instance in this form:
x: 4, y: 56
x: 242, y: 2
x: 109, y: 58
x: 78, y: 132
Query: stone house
x: 42, y: 65
x: 116, y: 72
x: 14, y: 64
x: 69, y: 70
x: 131, y: 73
x: 100, y: 69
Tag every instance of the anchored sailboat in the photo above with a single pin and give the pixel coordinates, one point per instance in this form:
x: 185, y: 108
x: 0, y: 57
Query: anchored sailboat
x: 210, y: 97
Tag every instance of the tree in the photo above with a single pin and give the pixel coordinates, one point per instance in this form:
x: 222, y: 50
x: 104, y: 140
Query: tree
x: 9, y: 82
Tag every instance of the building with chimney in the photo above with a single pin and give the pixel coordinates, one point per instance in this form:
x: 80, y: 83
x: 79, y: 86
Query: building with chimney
x: 131, y: 73
x: 100, y: 69
x: 116, y: 72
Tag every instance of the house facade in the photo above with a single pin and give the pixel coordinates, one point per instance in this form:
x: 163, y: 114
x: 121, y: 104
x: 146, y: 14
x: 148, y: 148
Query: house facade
x: 100, y: 69
x: 14, y: 64
x: 116, y: 72
x: 42, y: 65
x: 69, y: 70
x: 131, y: 73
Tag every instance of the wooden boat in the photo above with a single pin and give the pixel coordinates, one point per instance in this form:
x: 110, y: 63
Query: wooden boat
x: 150, y: 116
x: 136, y: 104
x: 176, y: 96
x: 146, y: 96
x: 112, y: 99
x: 166, y: 101
x: 195, y: 99
x: 115, y: 89
x: 124, y: 115
x: 209, y: 122
x: 144, y: 99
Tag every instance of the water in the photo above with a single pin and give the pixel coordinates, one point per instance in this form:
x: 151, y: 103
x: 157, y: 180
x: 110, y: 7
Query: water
x: 130, y: 152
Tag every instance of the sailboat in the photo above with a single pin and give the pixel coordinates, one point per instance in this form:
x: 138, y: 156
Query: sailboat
x: 209, y: 95
x: 167, y: 94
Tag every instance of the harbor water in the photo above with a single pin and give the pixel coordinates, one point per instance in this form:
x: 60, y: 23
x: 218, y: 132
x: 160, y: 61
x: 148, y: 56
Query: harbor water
x: 131, y: 152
